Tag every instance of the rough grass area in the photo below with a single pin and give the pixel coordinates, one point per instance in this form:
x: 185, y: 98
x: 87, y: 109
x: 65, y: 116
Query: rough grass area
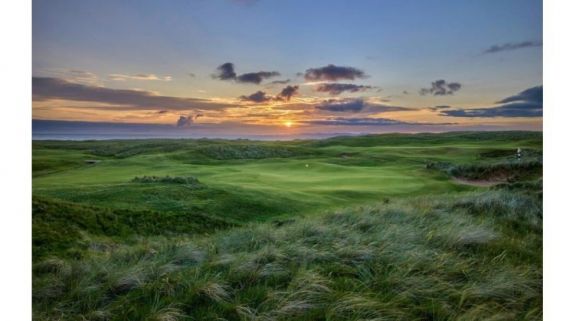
x: 62, y: 228
x: 187, y: 180
x: 472, y: 257
x: 249, y: 151
x: 507, y: 171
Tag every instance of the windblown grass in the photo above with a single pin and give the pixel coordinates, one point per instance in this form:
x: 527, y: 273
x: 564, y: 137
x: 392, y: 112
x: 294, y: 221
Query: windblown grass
x: 475, y: 257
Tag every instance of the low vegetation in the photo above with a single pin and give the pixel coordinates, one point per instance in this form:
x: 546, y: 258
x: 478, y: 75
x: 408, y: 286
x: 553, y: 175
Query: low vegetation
x: 187, y: 180
x: 348, y: 228
x: 63, y: 229
x: 475, y: 257
x: 509, y: 171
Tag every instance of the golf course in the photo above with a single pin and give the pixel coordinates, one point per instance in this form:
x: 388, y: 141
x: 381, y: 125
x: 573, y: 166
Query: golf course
x: 377, y: 227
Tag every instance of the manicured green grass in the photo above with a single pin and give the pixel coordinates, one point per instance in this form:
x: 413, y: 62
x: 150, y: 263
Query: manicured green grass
x: 305, y: 176
x: 348, y: 228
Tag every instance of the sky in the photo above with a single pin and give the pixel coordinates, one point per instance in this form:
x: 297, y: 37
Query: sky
x: 289, y: 67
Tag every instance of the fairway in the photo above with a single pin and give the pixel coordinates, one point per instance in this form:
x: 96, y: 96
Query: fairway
x: 250, y: 180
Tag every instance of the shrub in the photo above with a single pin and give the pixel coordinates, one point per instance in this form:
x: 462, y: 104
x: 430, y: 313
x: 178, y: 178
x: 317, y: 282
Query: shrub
x: 188, y: 180
x: 510, y: 171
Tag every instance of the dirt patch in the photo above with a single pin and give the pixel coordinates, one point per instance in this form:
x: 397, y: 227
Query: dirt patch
x: 479, y: 183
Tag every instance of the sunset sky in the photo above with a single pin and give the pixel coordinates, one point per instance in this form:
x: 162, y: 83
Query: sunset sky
x: 290, y: 67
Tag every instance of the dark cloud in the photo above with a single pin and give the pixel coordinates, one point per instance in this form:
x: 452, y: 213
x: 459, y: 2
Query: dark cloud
x: 337, y: 89
x: 512, y: 46
x: 352, y: 105
x: 225, y: 72
x: 528, y: 103
x: 56, y: 88
x: 187, y: 121
x: 257, y: 97
x: 279, y: 82
x: 508, y: 110
x: 534, y: 94
x: 333, y: 73
x: 162, y: 111
x: 262, y: 97
x: 287, y: 93
x: 435, y: 108
x: 385, y: 108
x: 355, y: 106
x: 256, y: 77
x: 441, y: 88
x: 367, y: 122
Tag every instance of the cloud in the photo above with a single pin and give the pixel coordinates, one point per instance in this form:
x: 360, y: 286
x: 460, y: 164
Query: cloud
x: 257, y: 97
x: 45, y: 88
x: 82, y: 74
x: 337, y: 89
x: 184, y: 121
x: 227, y: 71
x: 341, y: 121
x: 287, y: 93
x: 261, y: 97
x: 509, y: 46
x: 256, y: 77
x: 122, y: 77
x: 187, y: 121
x: 355, y: 106
x: 441, y: 88
x: 73, y: 75
x: 333, y: 73
x: 352, y: 105
x: 386, y: 108
x: 279, y: 82
x: 528, y: 103
x: 534, y: 94
x: 435, y: 108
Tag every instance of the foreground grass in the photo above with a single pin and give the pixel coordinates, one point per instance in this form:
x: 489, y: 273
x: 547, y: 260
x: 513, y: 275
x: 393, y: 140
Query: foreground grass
x: 469, y: 257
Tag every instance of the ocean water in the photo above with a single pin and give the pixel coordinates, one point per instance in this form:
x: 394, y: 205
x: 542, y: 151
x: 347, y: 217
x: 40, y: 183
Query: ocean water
x: 75, y: 130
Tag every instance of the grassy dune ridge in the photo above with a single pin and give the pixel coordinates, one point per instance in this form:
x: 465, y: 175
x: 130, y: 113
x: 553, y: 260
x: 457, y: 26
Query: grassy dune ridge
x: 348, y: 228
x: 474, y: 257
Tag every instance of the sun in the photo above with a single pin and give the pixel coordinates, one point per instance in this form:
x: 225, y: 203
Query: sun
x: 288, y: 123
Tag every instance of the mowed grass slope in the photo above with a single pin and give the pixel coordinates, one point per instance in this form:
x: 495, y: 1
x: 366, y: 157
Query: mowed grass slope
x: 258, y: 180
